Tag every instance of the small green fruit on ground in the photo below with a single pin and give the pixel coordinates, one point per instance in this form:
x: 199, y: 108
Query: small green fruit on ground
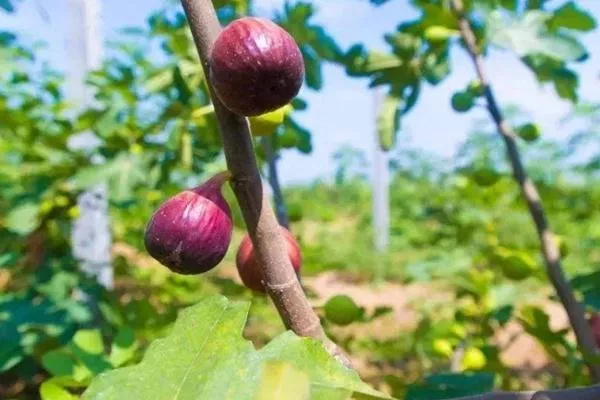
x: 529, y: 132
x: 462, y: 101
x: 267, y: 124
x: 342, y: 310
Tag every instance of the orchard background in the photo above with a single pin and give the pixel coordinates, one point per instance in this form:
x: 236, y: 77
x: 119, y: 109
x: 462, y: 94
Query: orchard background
x: 419, y: 251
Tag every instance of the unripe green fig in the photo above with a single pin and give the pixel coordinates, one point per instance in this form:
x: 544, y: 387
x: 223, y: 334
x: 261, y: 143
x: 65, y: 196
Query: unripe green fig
x: 442, y: 347
x: 462, y: 101
x: 515, y: 265
x: 342, y: 310
x: 485, y: 176
x: 267, y: 124
x: 473, y: 359
x: 529, y: 132
x: 475, y: 88
x: 438, y: 33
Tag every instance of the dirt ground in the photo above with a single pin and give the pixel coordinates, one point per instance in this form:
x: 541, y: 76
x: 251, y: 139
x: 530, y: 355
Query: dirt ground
x: 522, y: 353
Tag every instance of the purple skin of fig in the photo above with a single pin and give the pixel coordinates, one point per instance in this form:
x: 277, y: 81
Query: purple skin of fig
x: 255, y: 66
x: 190, y: 232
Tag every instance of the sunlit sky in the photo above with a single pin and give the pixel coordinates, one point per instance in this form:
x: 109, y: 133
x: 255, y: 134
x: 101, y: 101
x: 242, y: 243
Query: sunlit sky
x: 343, y: 112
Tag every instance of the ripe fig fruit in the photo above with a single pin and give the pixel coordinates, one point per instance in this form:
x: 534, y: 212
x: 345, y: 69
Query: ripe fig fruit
x: 594, y: 322
x: 267, y: 124
x: 462, y: 101
x: 190, y: 232
x: 249, y: 267
x: 255, y: 66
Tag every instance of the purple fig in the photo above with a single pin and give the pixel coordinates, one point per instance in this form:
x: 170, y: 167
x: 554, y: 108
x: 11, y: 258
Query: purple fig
x: 190, y: 232
x: 255, y: 66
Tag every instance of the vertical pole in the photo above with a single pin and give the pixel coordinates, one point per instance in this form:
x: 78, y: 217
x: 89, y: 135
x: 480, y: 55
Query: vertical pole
x: 381, y: 213
x: 90, y: 235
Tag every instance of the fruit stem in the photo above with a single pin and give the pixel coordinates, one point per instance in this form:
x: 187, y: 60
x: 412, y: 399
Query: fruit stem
x: 280, y: 279
x: 550, y: 251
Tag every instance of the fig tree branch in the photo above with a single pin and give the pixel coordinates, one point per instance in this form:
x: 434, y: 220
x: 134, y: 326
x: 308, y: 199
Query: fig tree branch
x: 279, y: 277
x: 550, y: 251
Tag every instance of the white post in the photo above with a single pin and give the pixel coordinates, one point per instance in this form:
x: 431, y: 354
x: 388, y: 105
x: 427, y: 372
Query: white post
x: 90, y: 236
x: 381, y: 207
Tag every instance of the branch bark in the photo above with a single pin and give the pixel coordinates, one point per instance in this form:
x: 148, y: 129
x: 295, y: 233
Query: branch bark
x: 589, y: 393
x: 280, y: 280
x: 280, y: 210
x: 550, y: 251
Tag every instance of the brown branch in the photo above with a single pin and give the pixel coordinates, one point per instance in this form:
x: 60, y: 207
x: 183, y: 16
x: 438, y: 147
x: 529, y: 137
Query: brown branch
x: 549, y: 246
x: 589, y: 393
x: 279, y: 278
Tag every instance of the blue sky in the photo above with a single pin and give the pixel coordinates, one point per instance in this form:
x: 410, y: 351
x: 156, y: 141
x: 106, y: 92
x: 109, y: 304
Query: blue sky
x: 343, y: 112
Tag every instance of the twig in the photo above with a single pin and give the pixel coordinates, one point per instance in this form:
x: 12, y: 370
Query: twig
x: 550, y: 250
x: 271, y: 154
x: 279, y: 277
x: 589, y: 393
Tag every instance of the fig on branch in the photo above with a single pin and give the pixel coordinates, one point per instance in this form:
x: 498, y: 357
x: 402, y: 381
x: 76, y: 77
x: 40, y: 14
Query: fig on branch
x: 529, y: 132
x: 439, y: 33
x: 462, y: 101
x: 190, y: 232
x: 255, y: 66
x: 475, y: 88
x: 249, y: 267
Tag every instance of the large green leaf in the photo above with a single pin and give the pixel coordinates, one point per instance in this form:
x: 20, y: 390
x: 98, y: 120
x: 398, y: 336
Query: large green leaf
x: 529, y: 34
x: 206, y: 357
x: 570, y: 16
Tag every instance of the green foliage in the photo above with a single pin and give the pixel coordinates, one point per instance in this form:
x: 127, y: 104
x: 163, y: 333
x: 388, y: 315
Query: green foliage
x: 206, y: 356
x: 457, y: 226
x: 546, y: 40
